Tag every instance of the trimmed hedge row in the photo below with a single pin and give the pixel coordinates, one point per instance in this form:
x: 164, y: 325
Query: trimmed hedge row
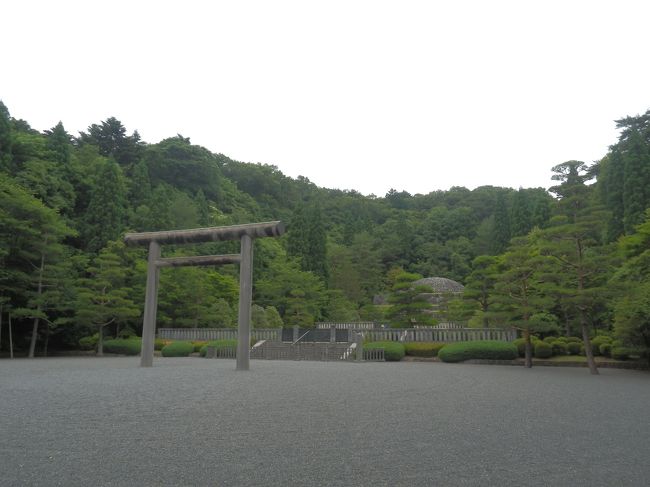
x: 480, y: 349
x: 178, y: 349
x: 129, y: 346
x: 423, y: 349
x: 393, y: 351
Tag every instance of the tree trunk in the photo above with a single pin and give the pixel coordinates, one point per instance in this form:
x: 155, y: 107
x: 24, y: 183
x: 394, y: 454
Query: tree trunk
x: 47, y: 339
x: 588, y: 350
x: 100, y: 342
x: 32, y: 344
x: 11, y: 340
x: 528, y: 350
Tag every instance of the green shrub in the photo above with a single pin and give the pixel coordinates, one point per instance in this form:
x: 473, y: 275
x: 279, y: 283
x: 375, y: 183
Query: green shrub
x: 543, y: 350
x: 89, y: 343
x: 520, y: 343
x: 621, y: 353
x: 393, y: 351
x: 573, y: 348
x: 597, y: 341
x: 131, y: 346
x: 160, y: 343
x: 559, y: 348
x: 480, y: 349
x: 550, y: 340
x: 561, y: 339
x: 178, y: 349
x: 423, y: 349
x: 217, y: 344
x: 574, y: 340
x: 606, y: 349
x: 198, y: 345
x: 127, y: 332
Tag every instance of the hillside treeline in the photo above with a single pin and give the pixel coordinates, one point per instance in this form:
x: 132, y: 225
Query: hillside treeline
x: 572, y: 258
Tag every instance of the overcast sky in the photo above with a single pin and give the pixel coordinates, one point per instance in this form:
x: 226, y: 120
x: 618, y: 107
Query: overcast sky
x: 416, y: 96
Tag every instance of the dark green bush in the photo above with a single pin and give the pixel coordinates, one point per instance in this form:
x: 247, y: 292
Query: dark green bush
x: 127, y: 332
x: 198, y: 345
x: 597, y: 341
x: 606, y: 349
x: 131, y: 346
x: 574, y: 348
x: 561, y: 339
x: 480, y: 349
x: 89, y: 343
x: 423, y: 349
x: 543, y: 350
x: 217, y: 344
x: 621, y: 353
x: 574, y: 340
x: 178, y: 349
x: 559, y: 348
x: 520, y: 343
x: 550, y: 340
x: 160, y: 343
x: 393, y: 351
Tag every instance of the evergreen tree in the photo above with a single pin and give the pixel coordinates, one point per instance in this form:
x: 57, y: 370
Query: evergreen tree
x: 502, y: 232
x: 521, y: 214
x: 408, y: 306
x: 104, y: 296
x: 572, y: 241
x: 106, y: 214
x: 5, y: 139
x: 516, y: 299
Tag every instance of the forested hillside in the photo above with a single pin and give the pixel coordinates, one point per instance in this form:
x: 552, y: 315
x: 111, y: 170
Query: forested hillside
x: 574, y: 258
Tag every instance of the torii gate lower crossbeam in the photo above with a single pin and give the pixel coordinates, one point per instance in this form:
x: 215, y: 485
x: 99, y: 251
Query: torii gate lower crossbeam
x: 244, y: 233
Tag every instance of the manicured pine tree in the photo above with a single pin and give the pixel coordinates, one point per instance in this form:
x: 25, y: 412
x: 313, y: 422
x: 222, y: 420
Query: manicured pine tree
x: 572, y: 241
x: 104, y: 295
x: 408, y: 306
x: 516, y: 300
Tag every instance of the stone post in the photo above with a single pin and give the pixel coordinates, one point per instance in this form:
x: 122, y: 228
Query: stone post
x: 296, y: 333
x: 358, y: 339
x: 245, y: 299
x: 333, y: 334
x: 150, y: 306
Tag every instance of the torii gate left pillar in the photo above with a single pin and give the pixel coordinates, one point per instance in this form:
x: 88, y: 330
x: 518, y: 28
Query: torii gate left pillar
x: 244, y: 233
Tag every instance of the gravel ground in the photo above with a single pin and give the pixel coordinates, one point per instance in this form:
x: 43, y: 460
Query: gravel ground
x: 189, y: 421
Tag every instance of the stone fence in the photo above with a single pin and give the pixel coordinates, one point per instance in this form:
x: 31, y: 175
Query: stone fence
x: 439, y: 334
x: 206, y: 334
x: 374, y: 335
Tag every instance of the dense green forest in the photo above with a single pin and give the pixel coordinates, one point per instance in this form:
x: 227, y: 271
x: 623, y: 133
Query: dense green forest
x: 574, y: 259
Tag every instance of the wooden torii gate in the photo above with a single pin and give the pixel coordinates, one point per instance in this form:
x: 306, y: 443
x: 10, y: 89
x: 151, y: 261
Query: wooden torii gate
x: 244, y: 233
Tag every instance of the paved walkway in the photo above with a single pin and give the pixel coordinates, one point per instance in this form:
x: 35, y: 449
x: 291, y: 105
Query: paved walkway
x: 107, y: 422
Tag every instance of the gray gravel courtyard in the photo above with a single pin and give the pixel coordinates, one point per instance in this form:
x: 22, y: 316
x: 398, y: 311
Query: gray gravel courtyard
x: 190, y: 421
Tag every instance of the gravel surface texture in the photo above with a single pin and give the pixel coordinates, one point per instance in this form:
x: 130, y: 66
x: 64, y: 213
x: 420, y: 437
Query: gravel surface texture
x: 189, y: 421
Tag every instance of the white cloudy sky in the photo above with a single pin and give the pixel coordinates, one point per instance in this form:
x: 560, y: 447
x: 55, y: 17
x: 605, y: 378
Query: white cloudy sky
x: 365, y: 95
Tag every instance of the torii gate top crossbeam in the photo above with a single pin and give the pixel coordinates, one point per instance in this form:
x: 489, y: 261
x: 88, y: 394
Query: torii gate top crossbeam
x: 210, y: 234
